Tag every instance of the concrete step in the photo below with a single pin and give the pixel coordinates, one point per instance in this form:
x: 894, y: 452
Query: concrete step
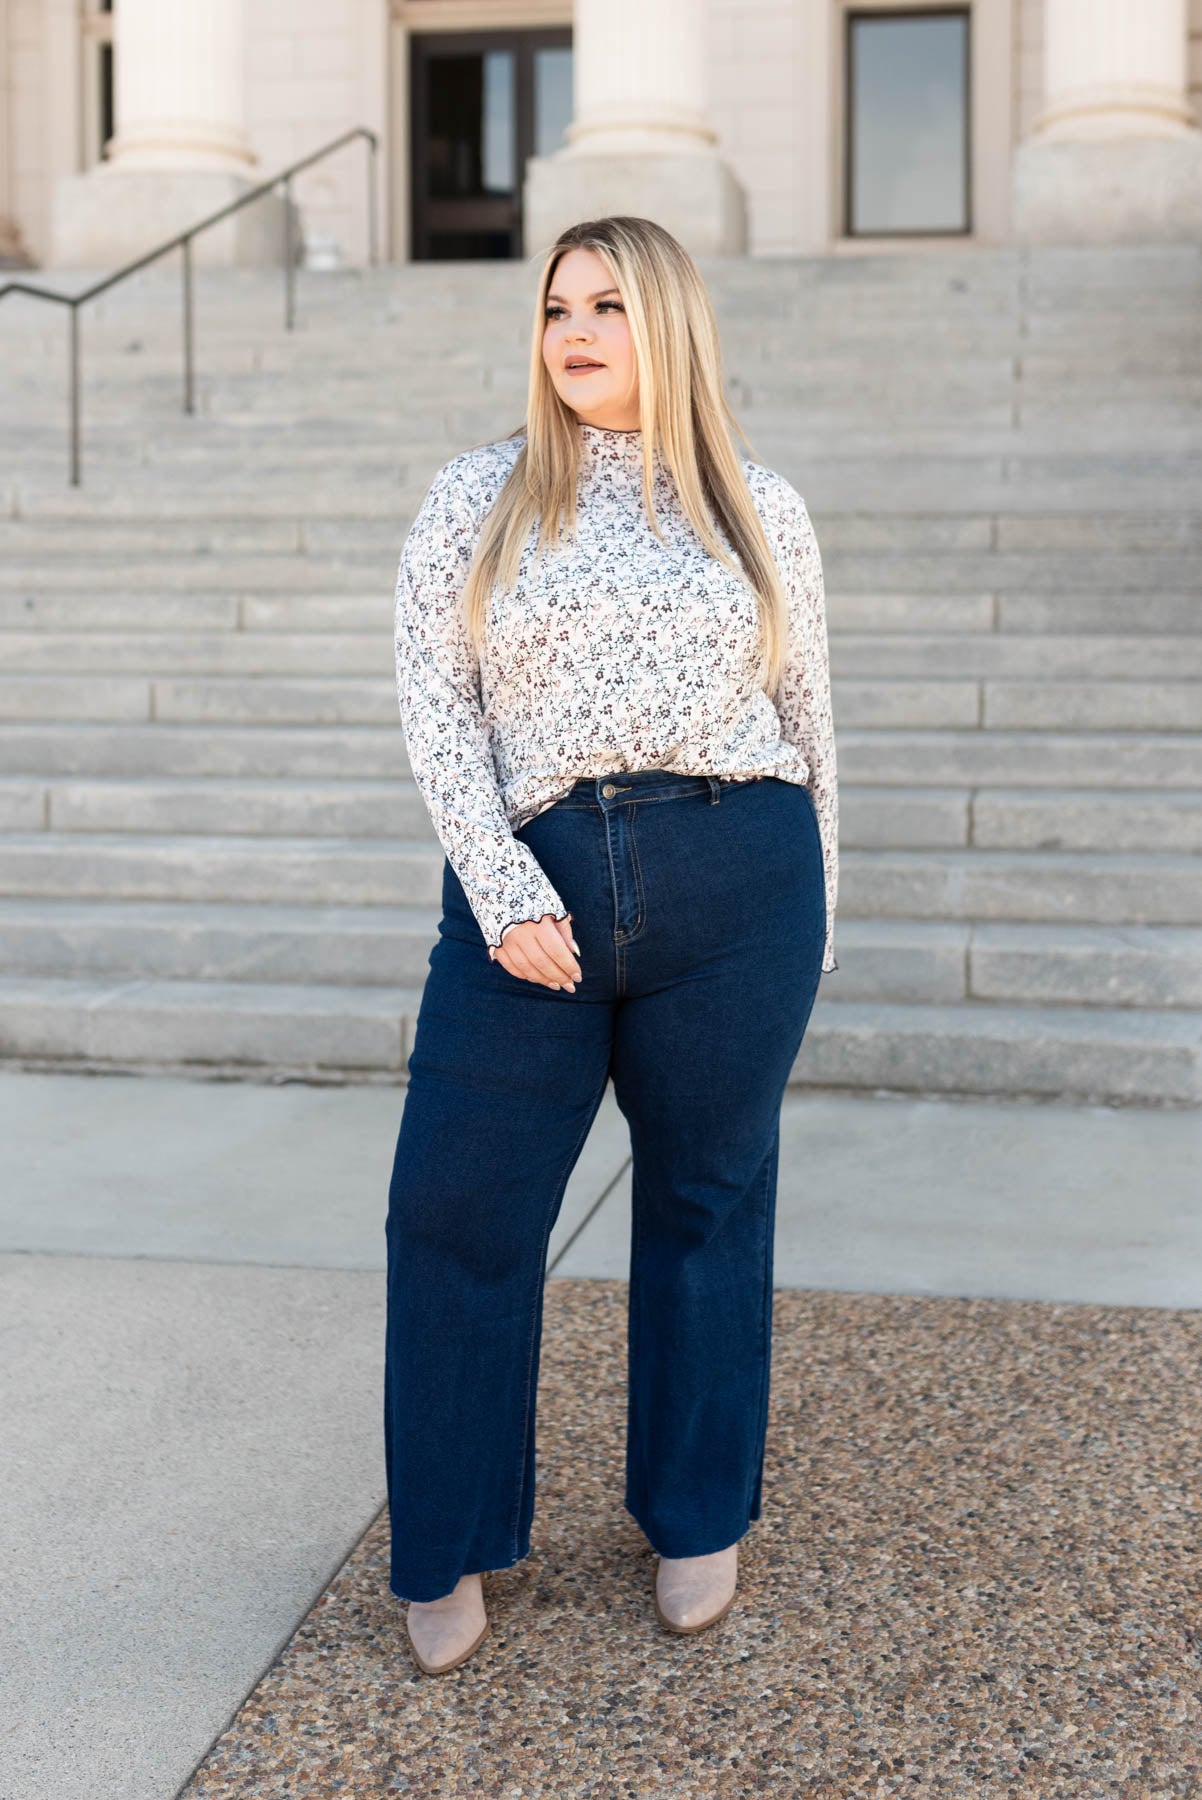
x: 1123, y: 427
x: 957, y: 290
x: 885, y: 704
x: 222, y: 941
x: 364, y: 647
x: 963, y: 469
x: 1064, y: 1053
x: 886, y: 597
x: 922, y: 450
x: 320, y: 752
x: 53, y: 652
x: 877, y: 817
x: 282, y: 807
x: 1136, y: 1057
x: 1089, y: 581
x: 374, y: 573
x: 870, y: 817
x: 162, y: 616
x: 1034, y: 656
x: 1119, y: 706
x: 937, y: 962
x: 1086, y: 887
x: 1104, y: 966
x: 893, y: 703
x: 74, y: 535
x: 300, y: 700
x: 303, y: 1030
x: 858, y: 361
x: 886, y: 611
x: 1064, y: 887
x: 920, y: 962
x: 149, y: 866
x: 987, y: 318
x: 1151, y: 610
x: 862, y: 370
x: 1095, y: 580
x: 52, y: 540
x: 990, y: 301
x: 46, y: 606
x: 886, y: 758
x: 1092, y: 760
x: 1010, y: 530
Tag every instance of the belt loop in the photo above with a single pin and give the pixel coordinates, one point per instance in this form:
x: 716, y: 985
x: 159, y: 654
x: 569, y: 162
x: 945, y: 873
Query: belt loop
x: 715, y: 789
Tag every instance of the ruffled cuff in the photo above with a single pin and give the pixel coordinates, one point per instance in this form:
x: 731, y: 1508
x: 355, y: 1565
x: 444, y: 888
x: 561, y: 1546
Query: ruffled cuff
x: 508, y: 891
x: 562, y: 913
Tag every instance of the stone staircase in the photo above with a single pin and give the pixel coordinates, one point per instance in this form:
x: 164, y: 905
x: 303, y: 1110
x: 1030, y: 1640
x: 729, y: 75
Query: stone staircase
x: 212, y: 855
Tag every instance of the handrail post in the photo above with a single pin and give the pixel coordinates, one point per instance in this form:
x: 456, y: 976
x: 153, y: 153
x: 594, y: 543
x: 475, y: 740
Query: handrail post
x: 289, y: 258
x: 189, y: 394
x: 73, y: 340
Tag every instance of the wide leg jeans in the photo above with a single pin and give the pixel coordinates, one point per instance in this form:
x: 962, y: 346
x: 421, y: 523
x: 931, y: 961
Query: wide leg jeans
x: 699, y: 908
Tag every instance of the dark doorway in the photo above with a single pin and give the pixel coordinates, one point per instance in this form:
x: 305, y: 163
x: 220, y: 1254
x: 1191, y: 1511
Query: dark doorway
x: 482, y: 103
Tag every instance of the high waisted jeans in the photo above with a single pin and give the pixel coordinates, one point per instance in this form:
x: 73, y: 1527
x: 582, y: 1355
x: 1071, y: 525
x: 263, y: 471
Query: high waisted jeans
x: 700, y: 912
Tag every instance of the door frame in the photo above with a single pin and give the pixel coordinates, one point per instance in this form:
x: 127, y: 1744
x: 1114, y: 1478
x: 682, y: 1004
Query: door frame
x: 408, y: 18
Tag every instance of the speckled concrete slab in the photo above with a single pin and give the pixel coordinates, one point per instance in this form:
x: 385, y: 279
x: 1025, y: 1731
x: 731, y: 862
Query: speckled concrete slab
x: 979, y: 1571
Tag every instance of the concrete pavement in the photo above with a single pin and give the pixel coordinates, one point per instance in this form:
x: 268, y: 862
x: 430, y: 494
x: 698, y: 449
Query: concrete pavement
x: 191, y: 1353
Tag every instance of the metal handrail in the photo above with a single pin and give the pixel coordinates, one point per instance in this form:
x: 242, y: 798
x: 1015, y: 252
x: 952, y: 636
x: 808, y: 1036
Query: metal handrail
x: 183, y: 240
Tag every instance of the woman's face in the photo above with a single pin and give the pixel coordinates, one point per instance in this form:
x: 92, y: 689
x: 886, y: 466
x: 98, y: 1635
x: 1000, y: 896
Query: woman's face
x: 586, y: 322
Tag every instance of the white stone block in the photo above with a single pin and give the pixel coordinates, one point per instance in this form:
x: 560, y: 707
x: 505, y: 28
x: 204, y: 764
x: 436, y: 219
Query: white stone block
x: 109, y: 216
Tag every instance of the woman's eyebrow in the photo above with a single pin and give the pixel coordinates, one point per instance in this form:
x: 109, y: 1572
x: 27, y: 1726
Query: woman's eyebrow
x: 596, y: 296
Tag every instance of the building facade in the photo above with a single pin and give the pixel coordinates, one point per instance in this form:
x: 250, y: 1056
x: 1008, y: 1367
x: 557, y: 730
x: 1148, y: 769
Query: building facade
x: 749, y: 127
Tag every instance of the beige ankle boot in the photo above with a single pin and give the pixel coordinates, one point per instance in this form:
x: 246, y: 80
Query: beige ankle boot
x: 444, y: 1632
x: 692, y: 1592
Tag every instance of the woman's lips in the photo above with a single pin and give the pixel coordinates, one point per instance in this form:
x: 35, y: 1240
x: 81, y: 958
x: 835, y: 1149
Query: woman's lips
x: 582, y: 368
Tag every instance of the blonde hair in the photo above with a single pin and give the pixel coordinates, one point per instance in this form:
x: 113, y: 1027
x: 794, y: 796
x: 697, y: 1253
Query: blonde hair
x: 682, y: 410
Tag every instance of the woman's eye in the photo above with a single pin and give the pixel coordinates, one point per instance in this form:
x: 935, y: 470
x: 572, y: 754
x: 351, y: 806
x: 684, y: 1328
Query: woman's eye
x: 556, y: 312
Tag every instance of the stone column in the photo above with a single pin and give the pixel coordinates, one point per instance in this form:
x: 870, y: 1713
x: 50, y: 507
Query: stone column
x: 12, y: 252
x: 640, y: 141
x: 178, y: 76
x: 180, y: 148
x: 1115, y: 154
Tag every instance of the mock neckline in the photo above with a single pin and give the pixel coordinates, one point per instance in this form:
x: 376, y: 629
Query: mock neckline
x: 610, y: 431
x: 613, y: 457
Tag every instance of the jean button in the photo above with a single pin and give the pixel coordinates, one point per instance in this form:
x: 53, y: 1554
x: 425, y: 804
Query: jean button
x: 609, y: 790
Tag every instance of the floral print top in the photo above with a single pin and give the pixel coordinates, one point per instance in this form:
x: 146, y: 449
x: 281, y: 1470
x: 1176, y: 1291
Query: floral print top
x: 618, y: 653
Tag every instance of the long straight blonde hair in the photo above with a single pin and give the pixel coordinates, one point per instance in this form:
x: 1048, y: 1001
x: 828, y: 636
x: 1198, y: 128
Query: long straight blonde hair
x: 682, y: 411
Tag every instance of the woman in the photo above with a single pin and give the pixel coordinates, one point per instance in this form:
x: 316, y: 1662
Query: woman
x: 612, y: 670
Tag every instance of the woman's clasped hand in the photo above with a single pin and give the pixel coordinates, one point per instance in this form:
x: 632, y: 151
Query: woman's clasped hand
x: 540, y: 950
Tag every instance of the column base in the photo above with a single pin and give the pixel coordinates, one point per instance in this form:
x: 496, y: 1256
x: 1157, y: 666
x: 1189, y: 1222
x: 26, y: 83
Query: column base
x: 695, y: 197
x: 109, y: 216
x: 13, y: 254
x: 1127, y: 190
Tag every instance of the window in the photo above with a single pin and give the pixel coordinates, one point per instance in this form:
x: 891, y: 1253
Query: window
x: 96, y: 79
x: 552, y: 98
x: 907, y: 110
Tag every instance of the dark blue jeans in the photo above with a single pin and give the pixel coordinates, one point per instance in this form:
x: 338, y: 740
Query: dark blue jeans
x: 700, y: 912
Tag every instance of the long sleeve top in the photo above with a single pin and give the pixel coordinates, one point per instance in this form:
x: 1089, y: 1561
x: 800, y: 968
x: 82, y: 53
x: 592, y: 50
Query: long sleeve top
x: 617, y: 653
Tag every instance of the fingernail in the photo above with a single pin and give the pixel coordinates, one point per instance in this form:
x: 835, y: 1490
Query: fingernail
x: 575, y: 945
